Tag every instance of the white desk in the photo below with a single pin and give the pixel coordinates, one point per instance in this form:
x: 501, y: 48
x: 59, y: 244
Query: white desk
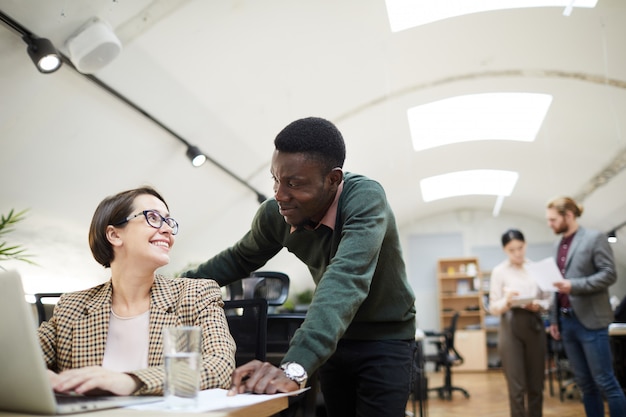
x: 617, y: 329
x: 263, y: 409
x: 617, y: 337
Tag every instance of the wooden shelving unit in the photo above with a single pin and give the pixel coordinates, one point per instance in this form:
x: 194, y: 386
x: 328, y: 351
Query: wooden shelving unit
x: 460, y: 290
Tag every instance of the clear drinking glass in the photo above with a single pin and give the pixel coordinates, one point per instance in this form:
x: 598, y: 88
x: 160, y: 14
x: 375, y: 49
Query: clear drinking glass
x: 181, y: 351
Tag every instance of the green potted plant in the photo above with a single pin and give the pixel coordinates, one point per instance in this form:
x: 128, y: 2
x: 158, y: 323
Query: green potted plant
x: 10, y: 251
x: 303, y: 299
x: 298, y: 302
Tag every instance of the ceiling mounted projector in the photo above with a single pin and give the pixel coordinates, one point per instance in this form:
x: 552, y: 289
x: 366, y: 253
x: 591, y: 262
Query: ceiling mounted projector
x: 93, y: 46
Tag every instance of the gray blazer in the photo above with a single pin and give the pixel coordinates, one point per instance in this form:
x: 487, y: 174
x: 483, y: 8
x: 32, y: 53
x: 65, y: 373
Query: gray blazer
x: 590, y: 268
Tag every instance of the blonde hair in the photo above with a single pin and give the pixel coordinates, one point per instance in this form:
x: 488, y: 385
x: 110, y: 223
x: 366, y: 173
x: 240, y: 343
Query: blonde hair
x: 564, y: 204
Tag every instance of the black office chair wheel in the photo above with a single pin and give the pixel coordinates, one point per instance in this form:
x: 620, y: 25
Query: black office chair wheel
x: 465, y: 393
x: 441, y: 394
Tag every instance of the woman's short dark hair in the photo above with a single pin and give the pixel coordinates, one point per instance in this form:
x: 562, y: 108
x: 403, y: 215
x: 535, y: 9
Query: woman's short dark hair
x: 113, y: 210
x: 315, y: 137
x: 512, y: 234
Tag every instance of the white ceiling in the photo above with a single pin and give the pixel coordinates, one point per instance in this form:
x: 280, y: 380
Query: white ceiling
x: 227, y: 75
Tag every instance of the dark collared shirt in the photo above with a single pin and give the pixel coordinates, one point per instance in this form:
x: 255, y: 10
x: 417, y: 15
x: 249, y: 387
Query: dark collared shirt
x: 564, y: 246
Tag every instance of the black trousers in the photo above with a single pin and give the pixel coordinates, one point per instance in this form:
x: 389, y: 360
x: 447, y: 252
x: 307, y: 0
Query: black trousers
x: 368, y: 378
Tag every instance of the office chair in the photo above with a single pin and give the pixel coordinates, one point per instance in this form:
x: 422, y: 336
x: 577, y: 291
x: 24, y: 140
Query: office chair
x: 247, y: 321
x: 562, y: 370
x: 446, y: 357
x: 44, y: 311
x: 419, y: 383
x: 270, y: 285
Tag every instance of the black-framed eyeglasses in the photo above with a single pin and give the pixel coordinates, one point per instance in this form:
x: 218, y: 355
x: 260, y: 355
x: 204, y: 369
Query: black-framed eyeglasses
x: 154, y: 219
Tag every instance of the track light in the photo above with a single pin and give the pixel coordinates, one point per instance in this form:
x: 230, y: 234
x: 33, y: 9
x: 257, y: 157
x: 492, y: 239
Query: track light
x: 43, y: 53
x: 196, y: 156
x: 612, y: 236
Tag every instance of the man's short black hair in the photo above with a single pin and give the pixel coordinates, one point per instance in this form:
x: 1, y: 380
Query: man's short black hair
x: 317, y: 138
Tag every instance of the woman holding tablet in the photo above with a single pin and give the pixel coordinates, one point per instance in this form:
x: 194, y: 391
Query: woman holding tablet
x: 515, y: 297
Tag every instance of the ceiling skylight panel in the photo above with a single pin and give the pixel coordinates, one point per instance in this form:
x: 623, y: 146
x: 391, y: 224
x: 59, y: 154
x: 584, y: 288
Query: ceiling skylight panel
x: 474, y: 182
x: 490, y: 116
x: 405, y: 14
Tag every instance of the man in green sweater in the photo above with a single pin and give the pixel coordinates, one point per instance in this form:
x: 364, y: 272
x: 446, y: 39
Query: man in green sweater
x: 360, y: 327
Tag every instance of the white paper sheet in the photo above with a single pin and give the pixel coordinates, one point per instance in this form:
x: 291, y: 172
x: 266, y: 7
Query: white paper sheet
x: 217, y: 399
x: 545, y: 273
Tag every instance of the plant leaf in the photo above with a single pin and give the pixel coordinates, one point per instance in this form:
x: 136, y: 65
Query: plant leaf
x: 14, y: 252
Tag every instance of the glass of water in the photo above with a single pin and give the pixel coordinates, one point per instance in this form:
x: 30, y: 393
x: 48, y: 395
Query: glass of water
x: 181, y: 350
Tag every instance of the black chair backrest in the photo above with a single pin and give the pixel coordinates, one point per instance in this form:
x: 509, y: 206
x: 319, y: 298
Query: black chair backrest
x: 44, y: 311
x: 247, y: 320
x: 270, y: 285
x: 273, y: 286
x: 449, y: 335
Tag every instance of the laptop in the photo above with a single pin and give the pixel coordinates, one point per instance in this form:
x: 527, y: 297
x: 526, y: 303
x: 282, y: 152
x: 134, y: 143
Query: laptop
x: 24, y: 383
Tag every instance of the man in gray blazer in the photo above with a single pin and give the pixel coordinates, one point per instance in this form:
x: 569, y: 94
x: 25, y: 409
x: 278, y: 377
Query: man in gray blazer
x: 581, y: 312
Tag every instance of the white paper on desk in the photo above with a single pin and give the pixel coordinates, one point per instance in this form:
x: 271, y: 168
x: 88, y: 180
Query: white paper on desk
x: 545, y: 273
x: 217, y: 399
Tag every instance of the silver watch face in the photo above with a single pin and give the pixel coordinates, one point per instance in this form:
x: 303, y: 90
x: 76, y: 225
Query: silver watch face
x: 295, y: 370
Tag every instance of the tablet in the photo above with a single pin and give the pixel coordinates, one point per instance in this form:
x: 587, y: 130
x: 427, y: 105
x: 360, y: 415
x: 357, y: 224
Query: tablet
x: 520, y: 301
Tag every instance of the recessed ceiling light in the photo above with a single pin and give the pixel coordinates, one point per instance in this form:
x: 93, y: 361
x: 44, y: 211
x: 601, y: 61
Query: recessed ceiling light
x: 490, y: 116
x: 405, y: 14
x: 474, y: 182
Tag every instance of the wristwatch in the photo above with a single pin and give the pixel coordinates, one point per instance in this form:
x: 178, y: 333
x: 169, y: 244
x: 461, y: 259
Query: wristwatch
x: 295, y: 372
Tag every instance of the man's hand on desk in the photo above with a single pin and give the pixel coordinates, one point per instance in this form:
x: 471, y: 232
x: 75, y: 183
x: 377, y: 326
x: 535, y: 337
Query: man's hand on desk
x: 260, y: 378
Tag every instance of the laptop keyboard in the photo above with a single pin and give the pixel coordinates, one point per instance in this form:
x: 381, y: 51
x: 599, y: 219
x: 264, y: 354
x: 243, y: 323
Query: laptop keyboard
x: 77, y: 399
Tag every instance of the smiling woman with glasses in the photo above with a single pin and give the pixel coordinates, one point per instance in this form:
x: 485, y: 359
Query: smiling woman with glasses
x: 107, y: 339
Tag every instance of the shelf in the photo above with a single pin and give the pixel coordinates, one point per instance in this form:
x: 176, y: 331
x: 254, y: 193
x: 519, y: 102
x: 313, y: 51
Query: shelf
x: 462, y: 313
x: 456, y: 276
x: 458, y: 296
x: 459, y: 289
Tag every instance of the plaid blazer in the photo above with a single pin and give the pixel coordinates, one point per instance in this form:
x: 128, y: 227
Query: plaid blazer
x: 76, y: 334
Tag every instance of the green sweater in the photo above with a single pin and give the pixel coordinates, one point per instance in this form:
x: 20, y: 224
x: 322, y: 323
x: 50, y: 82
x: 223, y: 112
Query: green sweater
x: 362, y: 292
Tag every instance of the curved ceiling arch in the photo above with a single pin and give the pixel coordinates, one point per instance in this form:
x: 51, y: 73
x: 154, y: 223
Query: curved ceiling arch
x: 547, y: 74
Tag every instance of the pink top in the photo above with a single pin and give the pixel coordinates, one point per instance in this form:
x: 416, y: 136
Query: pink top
x: 127, y: 343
